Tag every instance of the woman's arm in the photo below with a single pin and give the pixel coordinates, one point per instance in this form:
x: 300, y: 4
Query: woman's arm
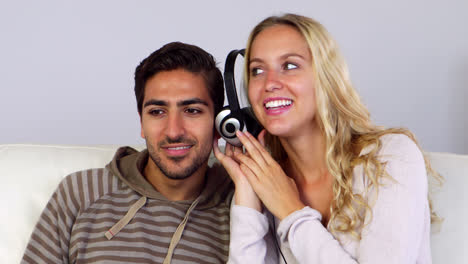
x: 244, y: 194
x: 251, y: 239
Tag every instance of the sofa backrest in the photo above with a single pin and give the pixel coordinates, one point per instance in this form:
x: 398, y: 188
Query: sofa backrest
x: 30, y: 174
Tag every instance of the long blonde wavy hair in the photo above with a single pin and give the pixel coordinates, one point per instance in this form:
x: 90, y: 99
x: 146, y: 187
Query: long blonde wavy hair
x: 344, y: 121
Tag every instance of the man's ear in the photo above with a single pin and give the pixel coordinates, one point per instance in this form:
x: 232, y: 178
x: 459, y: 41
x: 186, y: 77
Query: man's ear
x: 142, y: 133
x: 216, y: 134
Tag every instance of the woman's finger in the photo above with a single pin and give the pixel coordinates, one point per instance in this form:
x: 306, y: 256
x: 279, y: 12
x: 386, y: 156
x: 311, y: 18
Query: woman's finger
x: 251, y: 177
x: 231, y: 166
x: 228, y: 150
x: 260, y: 148
x: 261, y: 137
x: 217, y: 152
x: 251, y: 148
x: 251, y: 163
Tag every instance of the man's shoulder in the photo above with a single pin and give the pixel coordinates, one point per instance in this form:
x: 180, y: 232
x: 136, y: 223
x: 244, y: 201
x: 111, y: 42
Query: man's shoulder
x: 218, y: 175
x: 89, y: 176
x: 219, y: 188
x: 86, y: 186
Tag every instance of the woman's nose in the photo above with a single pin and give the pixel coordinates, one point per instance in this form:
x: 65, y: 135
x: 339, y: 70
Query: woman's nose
x: 272, y: 81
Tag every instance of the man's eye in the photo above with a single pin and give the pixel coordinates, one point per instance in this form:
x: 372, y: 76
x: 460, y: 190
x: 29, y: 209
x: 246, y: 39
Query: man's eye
x: 156, y: 112
x: 256, y: 71
x: 192, y: 111
x: 290, y: 66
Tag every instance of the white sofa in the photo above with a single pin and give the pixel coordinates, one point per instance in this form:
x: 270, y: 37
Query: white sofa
x: 30, y: 174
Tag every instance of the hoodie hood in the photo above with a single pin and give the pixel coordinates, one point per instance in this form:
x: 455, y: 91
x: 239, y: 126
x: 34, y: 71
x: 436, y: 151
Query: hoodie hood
x: 128, y: 164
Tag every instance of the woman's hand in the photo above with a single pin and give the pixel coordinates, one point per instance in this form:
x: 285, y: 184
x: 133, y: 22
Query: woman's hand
x: 244, y: 195
x: 276, y: 190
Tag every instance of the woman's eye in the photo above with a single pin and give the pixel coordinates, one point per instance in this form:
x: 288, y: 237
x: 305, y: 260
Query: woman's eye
x: 256, y: 71
x: 290, y: 66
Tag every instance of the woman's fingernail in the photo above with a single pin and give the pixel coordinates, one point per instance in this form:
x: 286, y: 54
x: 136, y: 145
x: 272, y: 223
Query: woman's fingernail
x: 239, y: 133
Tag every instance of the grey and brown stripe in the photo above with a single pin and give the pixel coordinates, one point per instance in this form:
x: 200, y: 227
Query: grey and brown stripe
x: 88, y: 203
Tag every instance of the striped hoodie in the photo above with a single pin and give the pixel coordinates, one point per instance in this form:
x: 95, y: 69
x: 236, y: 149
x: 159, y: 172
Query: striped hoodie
x: 113, y: 215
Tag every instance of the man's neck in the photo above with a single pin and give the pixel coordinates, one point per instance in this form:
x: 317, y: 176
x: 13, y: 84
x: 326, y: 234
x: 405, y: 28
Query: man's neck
x: 176, y: 190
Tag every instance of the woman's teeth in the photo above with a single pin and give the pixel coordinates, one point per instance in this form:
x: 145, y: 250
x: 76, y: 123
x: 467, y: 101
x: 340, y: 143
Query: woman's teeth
x: 278, y: 103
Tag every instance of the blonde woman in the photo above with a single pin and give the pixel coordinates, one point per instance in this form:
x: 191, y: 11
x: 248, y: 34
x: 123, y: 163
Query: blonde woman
x: 322, y: 184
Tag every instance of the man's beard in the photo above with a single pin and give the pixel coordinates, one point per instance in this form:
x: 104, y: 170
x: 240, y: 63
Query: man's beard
x: 199, y: 160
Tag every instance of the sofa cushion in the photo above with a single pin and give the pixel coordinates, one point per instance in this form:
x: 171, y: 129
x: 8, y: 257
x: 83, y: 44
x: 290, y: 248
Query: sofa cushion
x: 448, y: 240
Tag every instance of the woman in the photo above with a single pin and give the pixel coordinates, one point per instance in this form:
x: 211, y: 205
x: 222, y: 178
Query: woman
x: 331, y: 186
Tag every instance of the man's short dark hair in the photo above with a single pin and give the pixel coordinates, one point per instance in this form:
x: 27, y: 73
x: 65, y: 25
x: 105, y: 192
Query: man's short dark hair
x: 177, y: 55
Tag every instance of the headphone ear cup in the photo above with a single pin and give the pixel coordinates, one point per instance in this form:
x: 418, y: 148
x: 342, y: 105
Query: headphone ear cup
x: 227, y: 125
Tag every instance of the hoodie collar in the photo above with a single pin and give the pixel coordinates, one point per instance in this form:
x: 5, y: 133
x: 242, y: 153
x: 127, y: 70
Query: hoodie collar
x: 128, y: 164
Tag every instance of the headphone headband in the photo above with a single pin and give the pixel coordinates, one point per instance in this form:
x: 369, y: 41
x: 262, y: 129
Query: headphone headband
x: 232, y: 118
x: 230, y: 82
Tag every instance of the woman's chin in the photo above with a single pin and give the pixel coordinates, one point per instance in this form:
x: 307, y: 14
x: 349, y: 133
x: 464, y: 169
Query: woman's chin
x: 278, y: 130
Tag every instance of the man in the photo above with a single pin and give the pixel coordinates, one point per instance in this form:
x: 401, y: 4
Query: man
x: 161, y: 205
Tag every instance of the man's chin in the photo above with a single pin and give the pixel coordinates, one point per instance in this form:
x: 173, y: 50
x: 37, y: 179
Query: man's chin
x: 179, y: 168
x: 178, y: 173
x: 177, y: 159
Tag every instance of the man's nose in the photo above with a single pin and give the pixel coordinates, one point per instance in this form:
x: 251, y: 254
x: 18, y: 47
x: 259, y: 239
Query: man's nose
x: 175, y: 126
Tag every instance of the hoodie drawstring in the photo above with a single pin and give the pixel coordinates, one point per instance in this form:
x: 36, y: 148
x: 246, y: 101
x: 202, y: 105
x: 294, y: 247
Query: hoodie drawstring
x: 134, y: 209
x: 178, y: 233
x: 127, y: 217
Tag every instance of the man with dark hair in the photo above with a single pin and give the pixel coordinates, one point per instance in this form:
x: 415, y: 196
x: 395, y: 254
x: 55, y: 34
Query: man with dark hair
x: 177, y: 55
x: 160, y: 205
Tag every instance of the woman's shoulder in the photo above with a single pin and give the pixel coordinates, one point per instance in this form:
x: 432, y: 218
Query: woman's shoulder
x: 399, y: 153
x: 399, y: 147
x: 403, y: 160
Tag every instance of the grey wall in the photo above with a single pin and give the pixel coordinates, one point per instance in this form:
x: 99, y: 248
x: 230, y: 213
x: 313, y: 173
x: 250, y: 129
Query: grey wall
x: 66, y: 67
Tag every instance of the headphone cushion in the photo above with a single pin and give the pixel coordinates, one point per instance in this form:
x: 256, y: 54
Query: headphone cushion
x: 227, y: 125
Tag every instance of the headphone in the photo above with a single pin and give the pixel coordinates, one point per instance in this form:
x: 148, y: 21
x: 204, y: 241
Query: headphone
x: 232, y: 118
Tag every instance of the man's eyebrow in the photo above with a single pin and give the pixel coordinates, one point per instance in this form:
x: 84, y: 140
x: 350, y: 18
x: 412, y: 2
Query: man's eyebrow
x: 155, y: 102
x: 181, y: 103
x: 192, y: 101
